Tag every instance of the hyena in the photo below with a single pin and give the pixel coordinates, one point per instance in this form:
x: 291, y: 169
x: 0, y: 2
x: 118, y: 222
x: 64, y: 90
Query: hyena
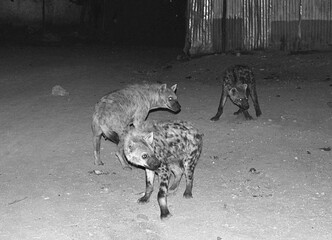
x: 116, y: 112
x: 164, y: 148
x: 238, y: 83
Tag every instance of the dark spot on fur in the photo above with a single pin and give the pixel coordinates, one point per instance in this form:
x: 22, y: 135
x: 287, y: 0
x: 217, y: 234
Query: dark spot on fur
x: 164, y: 184
x: 193, y: 153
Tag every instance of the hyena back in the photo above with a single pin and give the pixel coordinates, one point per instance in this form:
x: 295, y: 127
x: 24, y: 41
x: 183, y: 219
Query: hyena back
x: 238, y: 83
x: 165, y: 148
x: 116, y: 112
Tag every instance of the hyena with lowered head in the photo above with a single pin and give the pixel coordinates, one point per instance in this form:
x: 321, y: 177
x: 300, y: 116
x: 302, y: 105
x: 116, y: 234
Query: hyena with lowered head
x: 165, y: 148
x: 238, y: 83
x: 116, y: 112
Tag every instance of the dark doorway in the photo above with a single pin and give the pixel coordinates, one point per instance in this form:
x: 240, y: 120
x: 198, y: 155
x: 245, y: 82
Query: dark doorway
x: 145, y: 22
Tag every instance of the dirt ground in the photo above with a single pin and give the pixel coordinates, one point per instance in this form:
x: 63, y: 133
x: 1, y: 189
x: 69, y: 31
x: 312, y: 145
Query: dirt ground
x: 269, y: 178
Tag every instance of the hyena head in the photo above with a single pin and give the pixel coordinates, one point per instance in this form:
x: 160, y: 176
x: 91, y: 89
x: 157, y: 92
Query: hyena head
x: 139, y: 151
x: 168, y: 98
x: 239, y: 96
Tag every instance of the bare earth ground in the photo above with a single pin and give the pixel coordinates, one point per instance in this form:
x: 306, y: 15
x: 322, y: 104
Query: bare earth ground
x: 269, y: 178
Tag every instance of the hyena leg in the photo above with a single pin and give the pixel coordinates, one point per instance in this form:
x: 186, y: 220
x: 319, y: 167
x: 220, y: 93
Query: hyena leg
x: 222, y: 102
x: 149, y: 177
x: 178, y: 172
x: 163, y: 190
x: 189, y: 174
x: 238, y: 111
x: 97, y: 133
x: 247, y: 115
x: 254, y: 97
x: 120, y: 154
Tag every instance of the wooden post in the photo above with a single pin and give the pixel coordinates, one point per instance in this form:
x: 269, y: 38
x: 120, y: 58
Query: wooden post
x: 299, y: 35
x: 223, y: 27
x: 43, y: 17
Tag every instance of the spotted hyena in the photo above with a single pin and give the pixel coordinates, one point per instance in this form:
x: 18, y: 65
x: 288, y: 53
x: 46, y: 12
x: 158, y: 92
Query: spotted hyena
x: 238, y: 83
x: 116, y: 112
x: 164, y: 148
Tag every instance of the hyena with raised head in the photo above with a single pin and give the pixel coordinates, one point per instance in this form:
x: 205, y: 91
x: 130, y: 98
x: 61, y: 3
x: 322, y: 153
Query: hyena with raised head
x: 116, y: 112
x: 165, y: 148
x: 238, y: 83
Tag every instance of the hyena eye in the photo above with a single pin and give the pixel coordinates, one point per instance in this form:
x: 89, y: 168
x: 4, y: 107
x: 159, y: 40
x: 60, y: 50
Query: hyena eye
x: 170, y: 98
x: 144, y: 156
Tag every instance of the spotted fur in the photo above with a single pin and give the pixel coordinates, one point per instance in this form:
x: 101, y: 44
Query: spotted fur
x: 165, y: 148
x: 117, y: 111
x: 238, y: 83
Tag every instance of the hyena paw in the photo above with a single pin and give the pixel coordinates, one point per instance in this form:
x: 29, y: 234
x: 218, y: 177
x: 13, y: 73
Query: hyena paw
x: 214, y: 119
x: 188, y: 195
x: 258, y: 113
x: 99, y: 163
x: 237, y: 112
x: 165, y: 215
x: 143, y: 200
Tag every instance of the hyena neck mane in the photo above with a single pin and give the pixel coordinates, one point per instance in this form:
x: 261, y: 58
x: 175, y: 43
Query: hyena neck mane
x: 145, y: 91
x: 151, y: 93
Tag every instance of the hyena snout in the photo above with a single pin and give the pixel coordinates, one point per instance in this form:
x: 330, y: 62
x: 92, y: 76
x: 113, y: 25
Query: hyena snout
x: 174, y: 105
x: 242, y: 103
x: 153, y: 163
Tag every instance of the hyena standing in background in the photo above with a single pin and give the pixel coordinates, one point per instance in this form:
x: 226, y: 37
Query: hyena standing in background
x: 116, y: 112
x: 165, y: 148
x: 238, y: 83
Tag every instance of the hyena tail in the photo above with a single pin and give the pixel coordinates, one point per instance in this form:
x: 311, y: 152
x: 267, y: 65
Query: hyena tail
x: 111, y: 135
x: 114, y: 137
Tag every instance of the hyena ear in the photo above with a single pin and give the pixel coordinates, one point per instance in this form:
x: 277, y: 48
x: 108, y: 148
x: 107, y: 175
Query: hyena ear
x: 232, y: 91
x: 163, y: 87
x: 174, y: 87
x: 245, y: 86
x: 149, y: 138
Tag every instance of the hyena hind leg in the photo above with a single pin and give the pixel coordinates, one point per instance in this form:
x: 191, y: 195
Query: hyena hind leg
x: 189, y: 174
x: 97, y: 133
x: 163, y: 191
x: 177, y: 172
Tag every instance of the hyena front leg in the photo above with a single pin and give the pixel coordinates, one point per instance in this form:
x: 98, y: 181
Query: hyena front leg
x: 120, y: 154
x: 247, y: 115
x: 222, y: 102
x: 254, y: 97
x: 164, y: 175
x: 149, y: 177
x: 97, y: 133
x: 238, y: 111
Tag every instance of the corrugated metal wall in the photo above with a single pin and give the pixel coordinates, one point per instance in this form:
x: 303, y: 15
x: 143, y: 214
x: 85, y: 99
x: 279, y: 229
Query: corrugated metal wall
x: 305, y: 24
x: 227, y: 25
x: 200, y: 25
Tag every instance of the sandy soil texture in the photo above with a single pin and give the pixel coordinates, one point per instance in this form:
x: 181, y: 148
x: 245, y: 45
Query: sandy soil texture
x: 269, y: 178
